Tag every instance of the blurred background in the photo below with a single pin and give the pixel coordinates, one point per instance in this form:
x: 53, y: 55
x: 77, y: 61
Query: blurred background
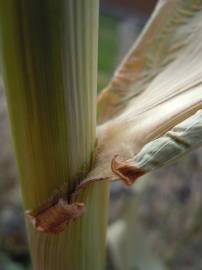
x: 156, y: 225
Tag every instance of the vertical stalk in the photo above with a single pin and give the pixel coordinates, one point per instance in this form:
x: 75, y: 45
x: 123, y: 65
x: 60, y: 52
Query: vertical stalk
x: 49, y: 54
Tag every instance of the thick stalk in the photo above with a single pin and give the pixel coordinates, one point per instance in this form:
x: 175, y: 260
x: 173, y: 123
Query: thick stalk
x: 49, y: 54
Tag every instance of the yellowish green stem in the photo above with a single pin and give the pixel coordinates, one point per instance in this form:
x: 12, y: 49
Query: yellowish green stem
x: 49, y: 55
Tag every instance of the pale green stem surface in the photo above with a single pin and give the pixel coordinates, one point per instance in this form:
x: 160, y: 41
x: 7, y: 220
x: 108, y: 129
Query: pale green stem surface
x: 49, y: 54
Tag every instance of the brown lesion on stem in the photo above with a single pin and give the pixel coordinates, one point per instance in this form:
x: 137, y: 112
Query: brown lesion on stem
x: 60, y: 209
x: 56, y: 213
x: 63, y: 208
x: 54, y: 218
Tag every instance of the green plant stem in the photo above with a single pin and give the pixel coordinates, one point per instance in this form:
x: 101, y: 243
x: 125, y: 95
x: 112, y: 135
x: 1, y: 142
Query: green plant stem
x: 49, y: 55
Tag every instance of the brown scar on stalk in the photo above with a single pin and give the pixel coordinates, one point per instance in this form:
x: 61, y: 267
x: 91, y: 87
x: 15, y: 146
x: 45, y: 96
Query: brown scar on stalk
x: 127, y: 172
x: 55, y: 215
x: 61, y: 209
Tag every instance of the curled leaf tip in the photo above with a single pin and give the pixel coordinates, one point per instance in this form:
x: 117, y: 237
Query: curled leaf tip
x: 162, y: 151
x: 129, y: 174
x: 55, y: 218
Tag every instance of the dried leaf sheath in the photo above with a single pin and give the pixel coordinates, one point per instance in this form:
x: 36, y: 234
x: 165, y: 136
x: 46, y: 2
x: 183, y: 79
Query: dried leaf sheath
x: 173, y: 26
x: 173, y: 93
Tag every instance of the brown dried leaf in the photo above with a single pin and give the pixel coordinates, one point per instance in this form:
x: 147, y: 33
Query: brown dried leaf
x: 174, y: 27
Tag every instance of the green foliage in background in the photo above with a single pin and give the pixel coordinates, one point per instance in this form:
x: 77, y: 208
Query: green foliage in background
x: 107, y: 49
